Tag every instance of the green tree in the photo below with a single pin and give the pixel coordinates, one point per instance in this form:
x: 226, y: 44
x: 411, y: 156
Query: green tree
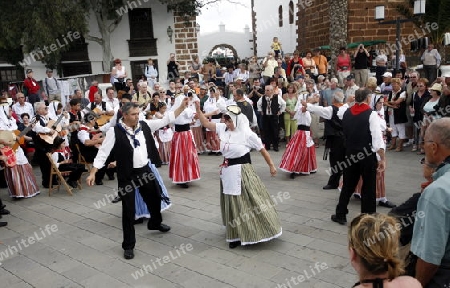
x: 30, y: 26
x: 435, y: 11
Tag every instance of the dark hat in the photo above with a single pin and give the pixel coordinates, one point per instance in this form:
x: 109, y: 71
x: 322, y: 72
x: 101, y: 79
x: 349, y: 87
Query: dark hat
x: 350, y: 77
x: 127, y: 96
x: 29, y: 71
x: 57, y: 142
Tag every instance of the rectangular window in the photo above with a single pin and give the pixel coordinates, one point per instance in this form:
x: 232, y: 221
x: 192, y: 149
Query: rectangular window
x: 141, y: 24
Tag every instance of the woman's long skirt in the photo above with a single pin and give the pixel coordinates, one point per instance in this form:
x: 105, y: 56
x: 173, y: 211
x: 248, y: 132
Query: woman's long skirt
x: 298, y: 157
x: 21, y: 181
x: 250, y: 217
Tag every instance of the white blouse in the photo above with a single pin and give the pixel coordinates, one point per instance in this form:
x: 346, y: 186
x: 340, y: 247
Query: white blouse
x: 234, y: 144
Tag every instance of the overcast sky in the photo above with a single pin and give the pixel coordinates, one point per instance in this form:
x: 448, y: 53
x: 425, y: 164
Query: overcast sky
x: 234, y: 16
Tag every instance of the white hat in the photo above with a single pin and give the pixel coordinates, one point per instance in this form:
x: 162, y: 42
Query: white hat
x: 387, y: 74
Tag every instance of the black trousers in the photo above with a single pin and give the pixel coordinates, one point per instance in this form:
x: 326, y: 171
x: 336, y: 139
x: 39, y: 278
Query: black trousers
x: 365, y: 168
x: 379, y: 71
x: 144, y: 180
x: 270, y: 126
x: 430, y: 72
x: 44, y: 165
x: 337, y: 155
x: 76, y: 170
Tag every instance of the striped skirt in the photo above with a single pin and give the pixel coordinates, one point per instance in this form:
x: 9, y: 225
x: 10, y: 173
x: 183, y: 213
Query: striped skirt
x: 164, y: 151
x: 199, y: 139
x: 141, y: 209
x: 250, y: 217
x: 183, y: 164
x: 212, y: 141
x: 21, y: 181
x: 298, y: 157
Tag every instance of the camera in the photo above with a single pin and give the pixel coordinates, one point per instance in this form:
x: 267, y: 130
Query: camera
x: 189, y: 94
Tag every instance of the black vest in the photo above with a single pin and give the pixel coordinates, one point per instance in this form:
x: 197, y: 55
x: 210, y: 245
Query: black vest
x: 333, y: 126
x: 93, y: 105
x: 125, y: 157
x: 274, y: 107
x: 400, y: 112
x: 357, y: 131
x: 246, y: 109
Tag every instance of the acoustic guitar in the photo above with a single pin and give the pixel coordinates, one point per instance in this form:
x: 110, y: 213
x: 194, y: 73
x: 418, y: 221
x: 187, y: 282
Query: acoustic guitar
x: 54, y: 125
x: 101, y: 119
x: 20, y: 140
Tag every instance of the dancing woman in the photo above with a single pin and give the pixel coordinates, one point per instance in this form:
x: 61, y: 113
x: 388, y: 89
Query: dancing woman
x: 242, y: 191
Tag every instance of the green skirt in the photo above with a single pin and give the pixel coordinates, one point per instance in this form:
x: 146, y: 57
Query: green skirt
x: 250, y: 217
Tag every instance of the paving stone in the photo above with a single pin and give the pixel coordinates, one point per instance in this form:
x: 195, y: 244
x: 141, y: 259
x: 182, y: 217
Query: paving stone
x: 86, y: 250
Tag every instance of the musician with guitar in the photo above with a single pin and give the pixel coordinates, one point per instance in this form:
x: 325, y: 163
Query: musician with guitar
x: 18, y: 172
x: 100, y: 109
x: 43, y: 136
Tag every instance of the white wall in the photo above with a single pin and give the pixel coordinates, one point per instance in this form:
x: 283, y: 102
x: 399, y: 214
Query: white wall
x: 267, y: 26
x: 119, y: 44
x: 239, y: 40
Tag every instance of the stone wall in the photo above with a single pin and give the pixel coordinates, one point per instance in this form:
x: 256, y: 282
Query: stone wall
x: 315, y: 19
x: 362, y: 25
x: 185, y: 39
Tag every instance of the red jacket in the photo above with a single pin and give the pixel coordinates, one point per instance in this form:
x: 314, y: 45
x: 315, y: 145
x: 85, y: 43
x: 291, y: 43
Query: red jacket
x: 92, y: 91
x: 32, y: 85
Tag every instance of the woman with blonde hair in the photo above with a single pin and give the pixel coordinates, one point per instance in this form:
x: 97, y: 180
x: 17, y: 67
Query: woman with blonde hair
x: 374, y: 248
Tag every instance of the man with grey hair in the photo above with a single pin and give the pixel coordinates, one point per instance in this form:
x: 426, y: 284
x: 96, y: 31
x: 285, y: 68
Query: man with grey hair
x: 431, y: 235
x: 327, y: 94
x: 42, y: 147
x: 363, y: 136
x: 333, y: 134
x: 134, y: 140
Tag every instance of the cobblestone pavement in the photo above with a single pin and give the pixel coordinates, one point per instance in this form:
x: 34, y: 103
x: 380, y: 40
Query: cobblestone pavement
x: 64, y: 241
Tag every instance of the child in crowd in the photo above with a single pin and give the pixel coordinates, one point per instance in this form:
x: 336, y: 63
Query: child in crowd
x: 61, y: 158
x: 164, y: 136
x: 276, y: 47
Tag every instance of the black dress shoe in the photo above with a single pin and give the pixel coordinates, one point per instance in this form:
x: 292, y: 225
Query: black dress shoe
x: 116, y: 200
x: 211, y: 153
x: 387, y: 204
x: 3, y: 224
x: 111, y: 177
x: 161, y: 227
x: 139, y: 221
x: 183, y: 185
x: 357, y: 196
x: 218, y: 153
x: 292, y: 176
x: 329, y: 187
x: 98, y: 182
x: 128, y: 254
x: 339, y: 219
x: 4, y: 212
x: 276, y: 149
x: 73, y: 184
x: 234, y: 244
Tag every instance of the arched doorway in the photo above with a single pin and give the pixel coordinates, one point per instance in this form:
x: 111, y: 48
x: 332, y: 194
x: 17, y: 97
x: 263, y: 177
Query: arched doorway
x: 224, y: 54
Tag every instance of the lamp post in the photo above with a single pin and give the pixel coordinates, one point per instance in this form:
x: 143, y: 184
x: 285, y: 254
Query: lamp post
x: 419, y: 9
x: 170, y: 33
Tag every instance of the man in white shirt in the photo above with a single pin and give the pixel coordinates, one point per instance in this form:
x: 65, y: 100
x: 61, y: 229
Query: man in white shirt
x: 21, y: 107
x: 271, y: 106
x: 136, y: 145
x: 431, y: 60
x: 112, y: 103
x: 363, y: 138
